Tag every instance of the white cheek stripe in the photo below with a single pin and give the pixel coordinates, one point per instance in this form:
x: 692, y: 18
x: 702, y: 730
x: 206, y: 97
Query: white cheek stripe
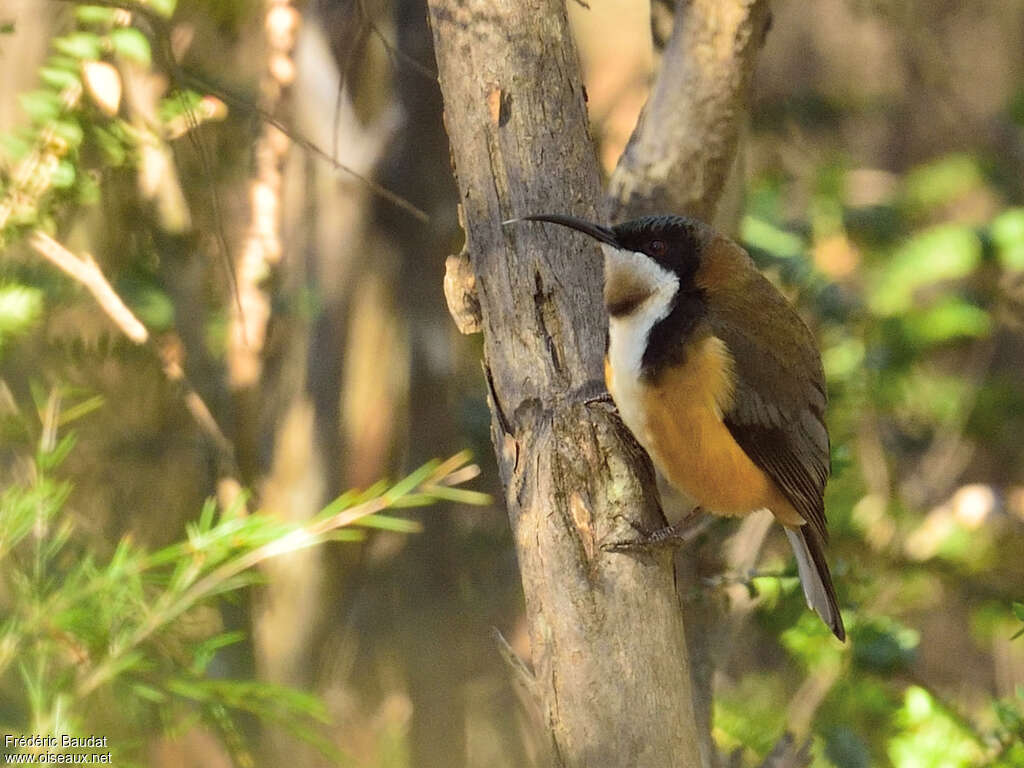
x: 628, y: 334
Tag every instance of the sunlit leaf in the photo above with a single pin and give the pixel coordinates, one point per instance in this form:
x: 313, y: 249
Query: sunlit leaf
x: 131, y: 44
x: 58, y: 78
x: 809, y: 641
x: 939, y: 254
x: 942, y: 182
x: 63, y: 175
x: 844, y: 359
x: 69, y: 130
x: 748, y: 714
x: 1008, y: 234
x: 767, y: 237
x: 388, y: 523
x: 951, y: 318
x: 41, y: 105
x: 163, y: 7
x: 930, y: 738
x: 95, y: 14
x: 80, y: 45
x: 154, y: 308
x: 20, y: 307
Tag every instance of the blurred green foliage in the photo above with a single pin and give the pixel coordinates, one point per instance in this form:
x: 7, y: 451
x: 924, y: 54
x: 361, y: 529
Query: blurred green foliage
x: 127, y: 645
x: 914, y: 299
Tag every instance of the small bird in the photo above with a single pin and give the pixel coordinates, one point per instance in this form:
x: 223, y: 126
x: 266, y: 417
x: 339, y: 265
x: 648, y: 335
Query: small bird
x: 719, y: 380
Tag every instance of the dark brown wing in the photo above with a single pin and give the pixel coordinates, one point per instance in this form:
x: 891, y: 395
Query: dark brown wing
x: 778, y: 410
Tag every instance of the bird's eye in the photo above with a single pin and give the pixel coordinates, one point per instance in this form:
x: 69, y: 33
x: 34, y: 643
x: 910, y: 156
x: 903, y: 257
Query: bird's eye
x: 658, y: 247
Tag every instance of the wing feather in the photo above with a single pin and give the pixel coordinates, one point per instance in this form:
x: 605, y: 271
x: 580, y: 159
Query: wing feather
x: 777, y: 414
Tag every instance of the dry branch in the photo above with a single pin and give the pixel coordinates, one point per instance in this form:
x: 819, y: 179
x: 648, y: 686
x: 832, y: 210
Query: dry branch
x: 86, y: 271
x: 262, y: 247
x: 680, y: 154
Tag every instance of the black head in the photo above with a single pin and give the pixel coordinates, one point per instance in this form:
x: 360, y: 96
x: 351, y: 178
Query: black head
x: 674, y: 242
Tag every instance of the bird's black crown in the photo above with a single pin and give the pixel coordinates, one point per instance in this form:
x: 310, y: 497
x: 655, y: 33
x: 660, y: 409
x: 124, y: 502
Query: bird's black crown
x: 675, y: 242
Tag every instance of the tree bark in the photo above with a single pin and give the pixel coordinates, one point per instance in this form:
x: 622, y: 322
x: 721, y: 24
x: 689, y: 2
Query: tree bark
x: 607, y: 636
x: 682, y: 158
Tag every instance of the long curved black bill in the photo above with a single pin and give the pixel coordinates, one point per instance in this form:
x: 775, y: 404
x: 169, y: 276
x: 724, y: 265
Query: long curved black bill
x: 599, y: 233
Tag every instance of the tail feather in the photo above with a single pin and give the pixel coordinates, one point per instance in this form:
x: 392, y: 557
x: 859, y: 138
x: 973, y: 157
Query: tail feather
x: 815, y: 577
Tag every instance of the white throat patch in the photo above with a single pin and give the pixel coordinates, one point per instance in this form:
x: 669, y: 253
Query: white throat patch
x: 628, y: 334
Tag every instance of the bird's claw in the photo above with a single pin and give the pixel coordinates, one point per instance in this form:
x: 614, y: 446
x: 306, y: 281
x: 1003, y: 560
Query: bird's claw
x: 669, y: 537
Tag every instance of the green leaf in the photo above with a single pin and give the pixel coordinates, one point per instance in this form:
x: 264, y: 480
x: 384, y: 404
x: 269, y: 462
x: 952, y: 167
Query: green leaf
x: 149, y: 693
x: 951, y: 318
x: 387, y: 523
x: 943, y: 253
x: 1018, y: 611
x: 154, y: 308
x: 69, y: 130
x: 111, y: 144
x: 1007, y: 232
x: 205, y: 651
x: 15, y: 147
x: 58, y: 78
x: 20, y: 307
x: 48, y: 460
x: 843, y: 747
x: 1009, y: 716
x: 942, y: 182
x: 408, y: 484
x: 759, y: 233
x: 164, y: 7
x: 844, y: 359
x: 63, y: 175
x: 808, y: 641
x: 84, y: 46
x: 459, y: 495
x: 882, y: 645
x: 88, y: 189
x: 930, y: 737
x: 41, y: 106
x: 84, y: 408
x: 95, y: 14
x: 129, y: 43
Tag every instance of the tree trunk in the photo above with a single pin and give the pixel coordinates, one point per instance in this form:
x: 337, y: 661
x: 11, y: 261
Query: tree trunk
x: 607, y: 635
x: 682, y: 158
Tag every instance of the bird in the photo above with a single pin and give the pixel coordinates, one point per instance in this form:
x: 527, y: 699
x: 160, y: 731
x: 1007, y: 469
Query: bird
x: 719, y: 379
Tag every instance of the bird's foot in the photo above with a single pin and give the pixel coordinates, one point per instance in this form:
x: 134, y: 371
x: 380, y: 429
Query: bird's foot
x: 669, y: 537
x: 592, y: 393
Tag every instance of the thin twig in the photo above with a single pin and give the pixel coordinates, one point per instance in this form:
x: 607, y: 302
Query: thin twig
x: 242, y: 104
x: 86, y: 271
x: 160, y: 30
x: 397, y: 55
x: 307, y: 536
x: 261, y: 249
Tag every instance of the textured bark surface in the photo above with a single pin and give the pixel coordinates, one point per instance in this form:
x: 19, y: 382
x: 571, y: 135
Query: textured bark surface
x: 607, y: 636
x: 679, y: 157
x: 682, y: 158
